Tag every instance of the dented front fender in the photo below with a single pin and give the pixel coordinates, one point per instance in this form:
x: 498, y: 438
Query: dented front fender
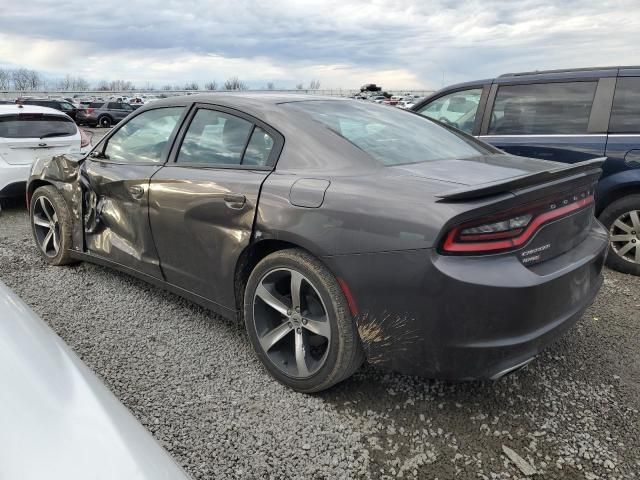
x: 64, y: 173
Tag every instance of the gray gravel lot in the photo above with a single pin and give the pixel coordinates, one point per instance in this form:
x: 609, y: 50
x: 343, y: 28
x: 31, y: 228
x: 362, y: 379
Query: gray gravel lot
x: 191, y: 378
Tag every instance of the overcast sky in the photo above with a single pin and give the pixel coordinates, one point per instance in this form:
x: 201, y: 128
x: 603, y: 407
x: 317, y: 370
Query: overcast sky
x: 343, y: 43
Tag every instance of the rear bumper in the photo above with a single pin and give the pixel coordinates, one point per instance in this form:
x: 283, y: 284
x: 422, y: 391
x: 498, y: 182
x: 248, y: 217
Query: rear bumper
x: 462, y: 318
x: 13, y: 179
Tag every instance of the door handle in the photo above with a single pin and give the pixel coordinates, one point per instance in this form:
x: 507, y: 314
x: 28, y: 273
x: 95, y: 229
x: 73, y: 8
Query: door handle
x: 235, y: 200
x: 136, y: 191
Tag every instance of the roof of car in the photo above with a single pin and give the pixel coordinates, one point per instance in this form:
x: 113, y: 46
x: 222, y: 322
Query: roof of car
x: 568, y: 70
x: 253, y: 103
x: 16, y: 108
x: 247, y: 98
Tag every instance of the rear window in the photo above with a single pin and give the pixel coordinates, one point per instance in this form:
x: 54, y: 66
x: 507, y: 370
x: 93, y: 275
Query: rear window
x: 389, y: 135
x: 36, y: 125
x: 542, y: 109
x: 625, y: 114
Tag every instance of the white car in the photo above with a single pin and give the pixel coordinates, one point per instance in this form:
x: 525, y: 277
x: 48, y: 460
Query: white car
x: 28, y: 132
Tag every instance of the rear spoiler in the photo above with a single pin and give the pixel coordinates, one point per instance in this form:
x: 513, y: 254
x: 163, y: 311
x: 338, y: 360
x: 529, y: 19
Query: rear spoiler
x: 586, y: 168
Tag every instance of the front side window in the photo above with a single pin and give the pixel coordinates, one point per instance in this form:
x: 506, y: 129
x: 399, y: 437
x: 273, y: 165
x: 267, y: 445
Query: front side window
x: 144, y: 137
x: 390, y: 136
x: 36, y: 125
x: 625, y: 113
x: 66, y: 106
x: 215, y: 138
x: 457, y: 109
x: 542, y: 109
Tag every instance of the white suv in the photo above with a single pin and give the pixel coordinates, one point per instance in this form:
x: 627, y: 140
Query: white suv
x: 28, y: 132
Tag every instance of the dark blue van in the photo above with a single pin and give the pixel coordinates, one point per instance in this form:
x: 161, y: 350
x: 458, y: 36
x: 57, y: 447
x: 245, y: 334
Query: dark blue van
x: 564, y: 116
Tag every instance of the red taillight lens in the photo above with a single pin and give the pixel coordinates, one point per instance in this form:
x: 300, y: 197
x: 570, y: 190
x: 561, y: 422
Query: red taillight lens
x: 513, y: 230
x: 85, y: 140
x: 88, y: 110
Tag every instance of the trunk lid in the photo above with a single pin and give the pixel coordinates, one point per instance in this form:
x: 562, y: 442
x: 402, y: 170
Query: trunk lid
x: 487, y: 175
x: 24, y: 151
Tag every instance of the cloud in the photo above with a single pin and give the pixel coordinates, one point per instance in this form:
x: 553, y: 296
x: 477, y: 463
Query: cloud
x: 397, y: 43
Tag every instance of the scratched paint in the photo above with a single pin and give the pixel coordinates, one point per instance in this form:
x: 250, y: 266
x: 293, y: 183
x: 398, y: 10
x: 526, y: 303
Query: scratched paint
x: 384, y: 335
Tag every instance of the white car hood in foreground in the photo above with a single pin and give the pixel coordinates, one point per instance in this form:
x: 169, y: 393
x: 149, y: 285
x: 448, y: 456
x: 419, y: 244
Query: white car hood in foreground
x: 57, y: 420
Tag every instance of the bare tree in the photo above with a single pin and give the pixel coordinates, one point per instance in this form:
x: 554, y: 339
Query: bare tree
x: 167, y: 87
x: 5, y: 79
x: 70, y: 83
x: 314, y: 85
x: 191, y: 86
x: 234, y: 83
x: 270, y: 86
x: 20, y: 79
x: 212, y: 85
x: 102, y: 85
x: 299, y: 86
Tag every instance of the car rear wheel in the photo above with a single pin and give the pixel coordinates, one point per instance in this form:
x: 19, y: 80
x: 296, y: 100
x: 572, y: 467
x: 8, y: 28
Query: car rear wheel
x: 51, y: 225
x: 299, y: 322
x: 105, y: 121
x: 622, y: 219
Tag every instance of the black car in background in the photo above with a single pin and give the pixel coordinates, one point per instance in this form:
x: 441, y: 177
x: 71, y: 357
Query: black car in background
x: 565, y: 116
x: 57, y: 104
x: 104, y: 114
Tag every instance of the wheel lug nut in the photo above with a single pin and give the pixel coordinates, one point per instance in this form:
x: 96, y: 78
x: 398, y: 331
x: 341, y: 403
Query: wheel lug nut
x: 288, y: 312
x: 290, y: 325
x: 304, y: 321
x: 297, y: 309
x: 298, y: 330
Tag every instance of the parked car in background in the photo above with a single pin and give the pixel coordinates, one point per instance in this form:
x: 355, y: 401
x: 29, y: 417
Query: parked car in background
x: 565, y: 116
x: 74, y: 427
x: 374, y: 233
x: 57, y: 104
x: 104, y: 114
x: 28, y: 132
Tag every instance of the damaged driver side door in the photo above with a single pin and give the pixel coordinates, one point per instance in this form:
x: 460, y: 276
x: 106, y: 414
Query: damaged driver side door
x: 116, y: 189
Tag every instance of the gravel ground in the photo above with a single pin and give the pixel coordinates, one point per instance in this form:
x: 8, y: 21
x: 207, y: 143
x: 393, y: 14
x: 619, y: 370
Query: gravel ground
x: 192, y: 379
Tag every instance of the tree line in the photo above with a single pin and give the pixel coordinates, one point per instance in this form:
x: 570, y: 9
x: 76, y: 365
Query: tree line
x: 23, y: 79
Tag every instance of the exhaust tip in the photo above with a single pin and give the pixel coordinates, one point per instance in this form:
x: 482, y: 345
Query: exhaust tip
x: 512, y: 369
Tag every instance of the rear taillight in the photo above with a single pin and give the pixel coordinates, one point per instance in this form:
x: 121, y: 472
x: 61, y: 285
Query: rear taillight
x: 88, y: 110
x: 85, y: 140
x: 512, y: 229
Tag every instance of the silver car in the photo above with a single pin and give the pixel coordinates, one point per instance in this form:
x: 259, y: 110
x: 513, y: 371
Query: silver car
x: 57, y: 419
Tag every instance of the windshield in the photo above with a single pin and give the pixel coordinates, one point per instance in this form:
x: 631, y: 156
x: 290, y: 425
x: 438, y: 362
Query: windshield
x: 389, y: 135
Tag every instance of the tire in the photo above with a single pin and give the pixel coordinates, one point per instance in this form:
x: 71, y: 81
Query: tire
x: 329, y: 357
x: 105, y: 121
x: 622, y: 219
x: 48, y: 206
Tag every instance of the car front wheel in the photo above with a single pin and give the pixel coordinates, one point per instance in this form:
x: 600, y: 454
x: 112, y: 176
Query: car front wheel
x: 299, y: 322
x: 622, y: 219
x: 51, y: 225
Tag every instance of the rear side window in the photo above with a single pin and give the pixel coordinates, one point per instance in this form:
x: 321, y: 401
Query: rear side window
x: 114, y: 106
x: 542, y: 109
x: 625, y: 114
x: 36, y: 125
x: 215, y: 138
x: 96, y: 105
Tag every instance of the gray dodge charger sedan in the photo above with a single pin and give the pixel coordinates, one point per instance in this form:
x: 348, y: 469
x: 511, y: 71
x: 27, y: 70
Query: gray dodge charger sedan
x: 337, y: 230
